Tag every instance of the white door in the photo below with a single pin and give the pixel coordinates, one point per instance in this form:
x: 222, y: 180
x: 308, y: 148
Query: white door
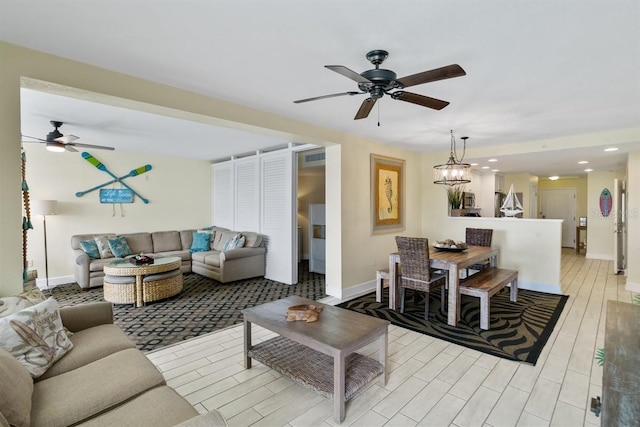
x: 317, y: 236
x: 619, y: 227
x: 277, y: 215
x: 561, y: 204
x: 533, y: 201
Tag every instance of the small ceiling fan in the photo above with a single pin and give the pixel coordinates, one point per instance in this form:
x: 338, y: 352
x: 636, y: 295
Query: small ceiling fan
x: 56, y: 141
x: 378, y: 82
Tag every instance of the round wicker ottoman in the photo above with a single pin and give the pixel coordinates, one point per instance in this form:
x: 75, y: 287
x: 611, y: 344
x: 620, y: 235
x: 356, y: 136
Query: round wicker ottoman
x: 161, y: 278
x: 120, y: 289
x: 162, y: 285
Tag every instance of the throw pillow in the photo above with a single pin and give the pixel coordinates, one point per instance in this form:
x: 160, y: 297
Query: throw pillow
x: 90, y: 248
x: 102, y: 242
x: 35, y: 336
x: 234, y: 242
x: 200, y: 242
x: 10, y: 305
x: 119, y: 246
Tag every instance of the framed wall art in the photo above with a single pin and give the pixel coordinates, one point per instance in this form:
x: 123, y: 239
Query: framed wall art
x: 387, y: 194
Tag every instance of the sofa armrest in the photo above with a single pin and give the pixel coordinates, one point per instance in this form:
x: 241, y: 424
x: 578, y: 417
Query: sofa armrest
x: 84, y: 316
x: 210, y: 419
x: 81, y: 257
x: 241, y: 253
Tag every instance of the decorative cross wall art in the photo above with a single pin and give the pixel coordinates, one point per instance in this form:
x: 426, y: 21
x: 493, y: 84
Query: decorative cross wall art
x: 114, y: 195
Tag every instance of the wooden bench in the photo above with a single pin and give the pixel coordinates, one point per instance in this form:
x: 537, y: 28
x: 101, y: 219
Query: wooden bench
x: 485, y: 284
x: 381, y: 276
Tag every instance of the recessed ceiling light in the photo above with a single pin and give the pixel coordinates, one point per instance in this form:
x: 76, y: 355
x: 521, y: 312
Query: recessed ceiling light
x: 611, y: 149
x: 474, y: 164
x: 583, y: 162
x: 492, y: 160
x: 485, y: 167
x: 588, y: 170
x: 554, y: 178
x: 495, y: 170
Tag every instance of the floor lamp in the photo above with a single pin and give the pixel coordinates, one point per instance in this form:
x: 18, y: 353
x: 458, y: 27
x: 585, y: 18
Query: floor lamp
x: 44, y: 208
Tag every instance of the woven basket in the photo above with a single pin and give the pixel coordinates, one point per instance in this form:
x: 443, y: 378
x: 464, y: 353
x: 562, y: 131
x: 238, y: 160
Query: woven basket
x: 161, y: 289
x: 124, y: 293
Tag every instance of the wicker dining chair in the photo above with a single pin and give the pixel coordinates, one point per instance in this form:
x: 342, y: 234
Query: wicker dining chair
x: 416, y: 272
x: 478, y: 237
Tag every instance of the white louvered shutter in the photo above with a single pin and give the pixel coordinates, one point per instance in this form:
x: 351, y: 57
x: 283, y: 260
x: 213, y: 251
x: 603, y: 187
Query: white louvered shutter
x: 276, y: 199
x: 223, y: 195
x: 247, y: 190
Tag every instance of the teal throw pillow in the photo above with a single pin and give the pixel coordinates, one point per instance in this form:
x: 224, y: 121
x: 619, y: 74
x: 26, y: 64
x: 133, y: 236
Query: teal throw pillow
x: 119, y: 247
x: 200, y: 242
x: 90, y: 248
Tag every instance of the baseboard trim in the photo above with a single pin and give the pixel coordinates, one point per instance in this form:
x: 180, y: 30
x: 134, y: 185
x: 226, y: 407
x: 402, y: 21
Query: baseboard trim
x: 606, y: 257
x: 54, y: 281
x: 632, y: 287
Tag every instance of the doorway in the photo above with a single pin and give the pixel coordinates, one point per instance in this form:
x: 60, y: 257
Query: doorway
x: 561, y: 204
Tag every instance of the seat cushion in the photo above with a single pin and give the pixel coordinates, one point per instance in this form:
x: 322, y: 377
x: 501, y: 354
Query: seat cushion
x: 17, y: 386
x: 76, y: 395
x: 158, y: 407
x: 211, y: 258
x: 90, y: 345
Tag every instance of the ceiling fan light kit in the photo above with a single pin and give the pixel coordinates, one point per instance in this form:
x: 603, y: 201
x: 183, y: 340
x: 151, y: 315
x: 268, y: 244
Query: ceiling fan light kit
x: 56, y: 147
x: 454, y: 172
x: 377, y: 82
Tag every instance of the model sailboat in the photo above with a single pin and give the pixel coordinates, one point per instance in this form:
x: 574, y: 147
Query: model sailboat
x: 511, y: 205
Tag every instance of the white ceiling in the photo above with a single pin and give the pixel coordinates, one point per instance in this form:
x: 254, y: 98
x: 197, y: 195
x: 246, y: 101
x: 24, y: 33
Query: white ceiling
x: 535, y: 70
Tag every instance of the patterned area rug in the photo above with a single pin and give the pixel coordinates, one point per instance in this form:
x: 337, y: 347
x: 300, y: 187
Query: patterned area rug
x: 203, y: 306
x: 518, y: 330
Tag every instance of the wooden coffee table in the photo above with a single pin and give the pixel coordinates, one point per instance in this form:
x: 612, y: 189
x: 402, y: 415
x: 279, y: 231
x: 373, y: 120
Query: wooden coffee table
x: 309, y: 352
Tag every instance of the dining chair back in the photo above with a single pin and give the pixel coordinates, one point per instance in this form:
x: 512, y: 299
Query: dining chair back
x: 416, y: 271
x: 478, y: 237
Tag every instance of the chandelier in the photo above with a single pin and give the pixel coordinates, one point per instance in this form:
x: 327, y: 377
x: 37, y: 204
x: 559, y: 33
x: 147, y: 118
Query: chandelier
x: 453, y: 172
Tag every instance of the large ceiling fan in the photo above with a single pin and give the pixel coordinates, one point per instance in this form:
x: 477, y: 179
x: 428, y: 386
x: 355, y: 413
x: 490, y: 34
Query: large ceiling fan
x: 378, y: 82
x: 56, y: 141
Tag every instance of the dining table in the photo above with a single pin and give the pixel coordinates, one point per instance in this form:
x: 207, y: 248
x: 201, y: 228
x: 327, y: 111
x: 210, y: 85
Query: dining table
x: 453, y: 261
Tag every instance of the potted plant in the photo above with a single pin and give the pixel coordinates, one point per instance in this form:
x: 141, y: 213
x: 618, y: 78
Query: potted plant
x: 454, y: 196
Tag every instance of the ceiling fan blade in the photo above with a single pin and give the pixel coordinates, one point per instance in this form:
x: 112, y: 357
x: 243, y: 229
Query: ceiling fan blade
x: 341, y: 69
x: 99, y: 147
x: 442, y: 73
x: 365, y: 109
x: 315, y: 98
x: 65, y: 139
x: 33, y: 137
x: 425, y: 101
x: 68, y: 147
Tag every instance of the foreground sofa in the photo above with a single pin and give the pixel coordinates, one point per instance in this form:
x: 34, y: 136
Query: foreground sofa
x: 102, y: 381
x: 215, y: 263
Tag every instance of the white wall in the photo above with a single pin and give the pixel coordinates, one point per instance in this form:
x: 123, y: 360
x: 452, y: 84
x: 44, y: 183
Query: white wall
x: 178, y: 190
x: 633, y: 223
x: 600, y: 228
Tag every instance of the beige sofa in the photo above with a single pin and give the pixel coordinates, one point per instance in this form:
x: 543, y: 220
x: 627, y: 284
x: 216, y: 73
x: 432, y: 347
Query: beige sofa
x: 223, y: 266
x: 102, y: 381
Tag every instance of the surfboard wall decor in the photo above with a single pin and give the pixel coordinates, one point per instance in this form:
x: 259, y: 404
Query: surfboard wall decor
x: 606, y: 201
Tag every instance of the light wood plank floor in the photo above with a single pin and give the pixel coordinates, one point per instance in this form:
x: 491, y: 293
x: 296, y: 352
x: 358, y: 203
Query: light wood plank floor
x: 430, y: 382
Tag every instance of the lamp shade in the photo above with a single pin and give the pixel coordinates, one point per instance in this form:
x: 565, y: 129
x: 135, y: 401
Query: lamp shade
x: 44, y: 207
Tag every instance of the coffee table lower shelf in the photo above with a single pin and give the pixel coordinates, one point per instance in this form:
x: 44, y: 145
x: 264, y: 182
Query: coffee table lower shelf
x: 313, y: 369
